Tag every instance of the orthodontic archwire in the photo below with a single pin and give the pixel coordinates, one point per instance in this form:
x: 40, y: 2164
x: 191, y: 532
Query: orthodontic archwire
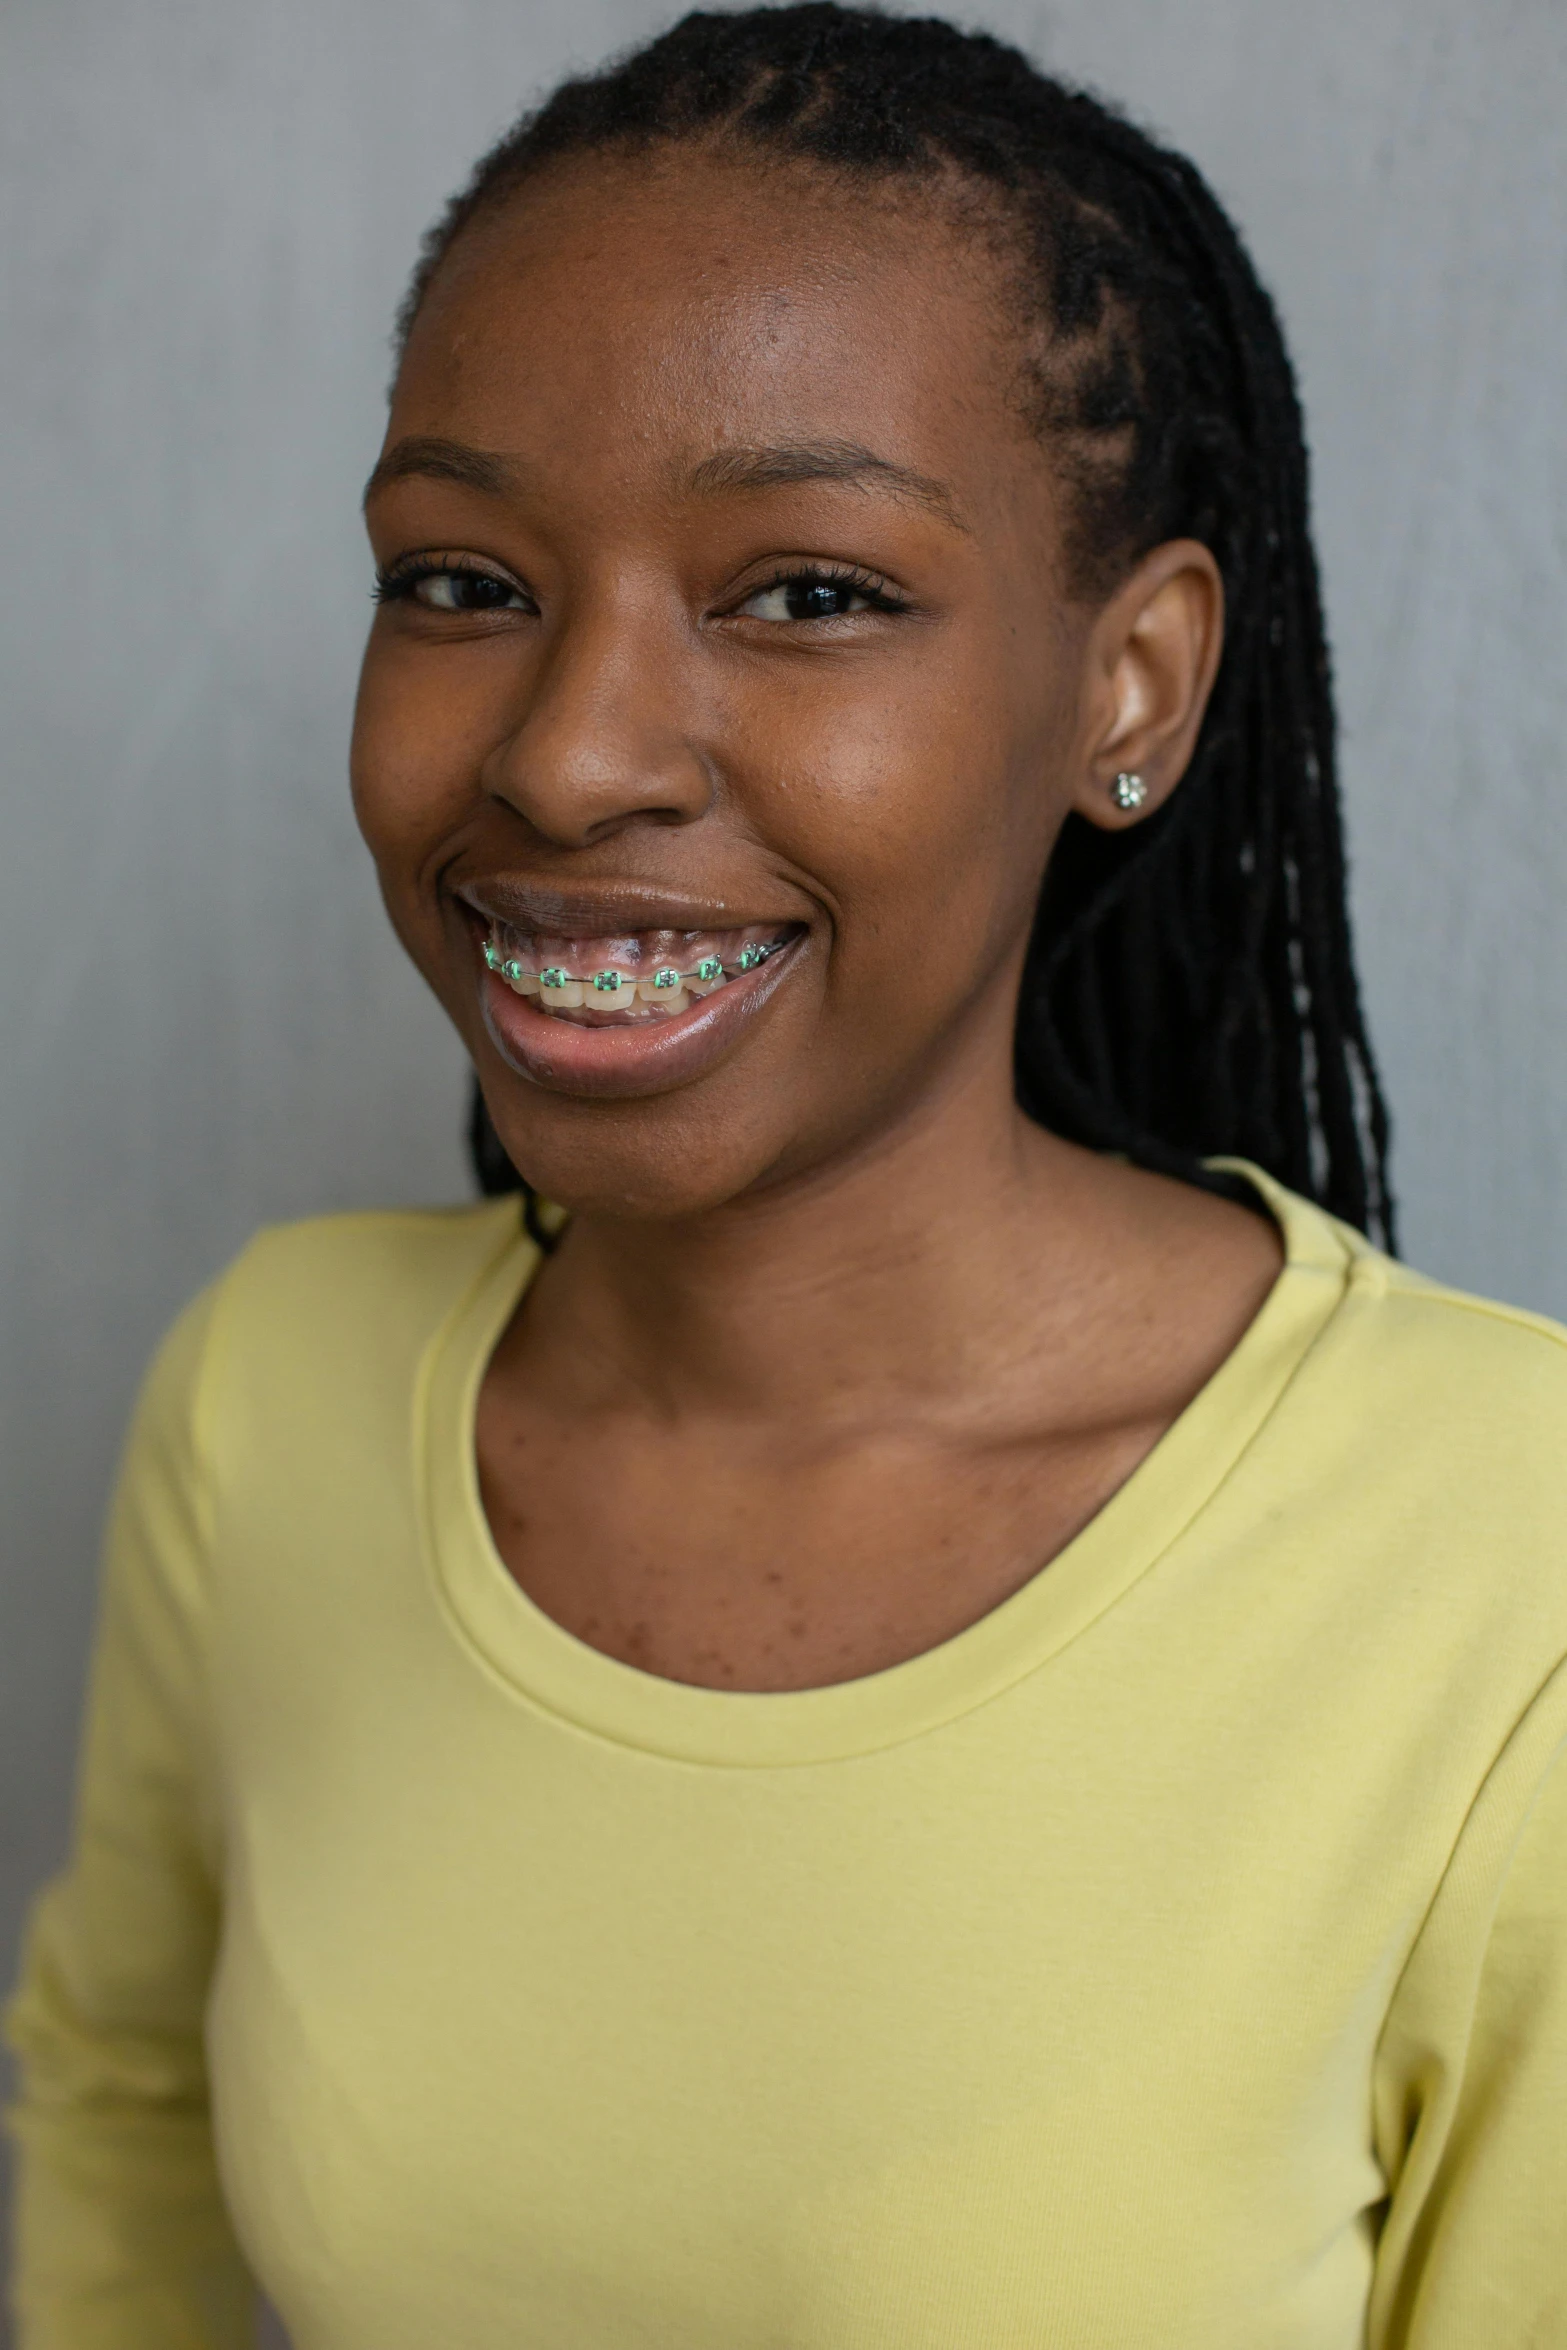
x: 612, y: 983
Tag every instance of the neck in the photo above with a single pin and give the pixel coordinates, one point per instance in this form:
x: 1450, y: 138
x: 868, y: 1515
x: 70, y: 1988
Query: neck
x: 888, y: 1275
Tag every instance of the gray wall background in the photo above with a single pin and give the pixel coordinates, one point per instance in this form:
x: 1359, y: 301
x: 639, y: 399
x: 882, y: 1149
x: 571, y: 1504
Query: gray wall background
x: 209, y: 210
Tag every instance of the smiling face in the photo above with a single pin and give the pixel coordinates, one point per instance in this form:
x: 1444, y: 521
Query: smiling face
x: 725, y: 695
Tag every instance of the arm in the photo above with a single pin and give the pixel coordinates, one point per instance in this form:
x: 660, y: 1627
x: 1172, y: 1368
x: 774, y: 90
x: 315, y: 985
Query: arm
x: 1472, y: 2093
x: 123, y: 2242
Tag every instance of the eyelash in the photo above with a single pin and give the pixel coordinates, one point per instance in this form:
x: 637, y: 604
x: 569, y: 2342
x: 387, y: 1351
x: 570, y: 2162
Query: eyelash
x: 841, y: 575
x: 396, y: 582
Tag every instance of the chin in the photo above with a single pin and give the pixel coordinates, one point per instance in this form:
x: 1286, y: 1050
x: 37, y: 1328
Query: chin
x: 664, y: 1165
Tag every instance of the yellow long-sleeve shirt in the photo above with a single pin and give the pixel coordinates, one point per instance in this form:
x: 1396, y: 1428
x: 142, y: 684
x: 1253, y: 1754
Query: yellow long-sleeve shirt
x: 1176, y: 1960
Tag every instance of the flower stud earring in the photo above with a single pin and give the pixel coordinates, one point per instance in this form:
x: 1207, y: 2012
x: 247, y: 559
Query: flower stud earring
x: 1128, y: 791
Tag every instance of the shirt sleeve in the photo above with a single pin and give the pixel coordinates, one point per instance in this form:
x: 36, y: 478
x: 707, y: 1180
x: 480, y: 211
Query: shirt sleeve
x: 122, y: 2239
x: 1472, y: 2093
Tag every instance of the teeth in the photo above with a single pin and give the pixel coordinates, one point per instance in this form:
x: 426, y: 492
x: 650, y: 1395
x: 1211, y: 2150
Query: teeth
x: 665, y: 989
x: 668, y: 989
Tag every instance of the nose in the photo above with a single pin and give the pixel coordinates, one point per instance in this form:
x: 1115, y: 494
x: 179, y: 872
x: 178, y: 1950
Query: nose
x: 605, y: 733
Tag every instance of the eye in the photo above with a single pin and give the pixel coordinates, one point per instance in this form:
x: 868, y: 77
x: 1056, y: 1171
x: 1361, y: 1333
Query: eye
x: 449, y: 587
x: 466, y: 591
x: 816, y: 595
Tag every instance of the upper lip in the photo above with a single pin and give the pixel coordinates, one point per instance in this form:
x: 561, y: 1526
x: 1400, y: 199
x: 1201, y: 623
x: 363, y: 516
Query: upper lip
x: 608, y: 910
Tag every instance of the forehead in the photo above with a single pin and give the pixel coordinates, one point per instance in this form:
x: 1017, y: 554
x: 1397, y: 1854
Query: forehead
x: 662, y: 306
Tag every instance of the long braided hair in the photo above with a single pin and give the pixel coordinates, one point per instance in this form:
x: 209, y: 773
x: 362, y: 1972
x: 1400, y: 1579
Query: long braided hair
x: 1190, y: 989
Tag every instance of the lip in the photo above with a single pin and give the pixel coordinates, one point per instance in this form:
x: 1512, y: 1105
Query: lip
x: 614, y: 1063
x: 613, y: 911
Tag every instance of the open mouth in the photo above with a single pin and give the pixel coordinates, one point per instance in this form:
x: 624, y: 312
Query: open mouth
x: 637, y: 979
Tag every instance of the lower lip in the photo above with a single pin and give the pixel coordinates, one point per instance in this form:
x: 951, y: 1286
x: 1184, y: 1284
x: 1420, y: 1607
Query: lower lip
x: 611, y: 1064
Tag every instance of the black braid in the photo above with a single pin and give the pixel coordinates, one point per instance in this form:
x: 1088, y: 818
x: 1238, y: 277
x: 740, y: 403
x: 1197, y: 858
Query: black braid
x: 1190, y: 989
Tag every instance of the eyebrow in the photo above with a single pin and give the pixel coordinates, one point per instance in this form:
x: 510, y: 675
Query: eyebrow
x: 427, y: 453
x: 842, y: 461
x: 778, y: 467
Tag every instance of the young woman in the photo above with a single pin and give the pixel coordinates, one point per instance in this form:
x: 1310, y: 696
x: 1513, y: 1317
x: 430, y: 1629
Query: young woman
x: 937, y: 1729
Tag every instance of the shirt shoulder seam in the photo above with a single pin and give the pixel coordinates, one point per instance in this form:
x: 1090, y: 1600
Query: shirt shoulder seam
x: 1414, y: 1287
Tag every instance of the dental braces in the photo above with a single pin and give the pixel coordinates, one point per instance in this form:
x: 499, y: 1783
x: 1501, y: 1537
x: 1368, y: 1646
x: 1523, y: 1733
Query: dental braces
x: 610, y: 985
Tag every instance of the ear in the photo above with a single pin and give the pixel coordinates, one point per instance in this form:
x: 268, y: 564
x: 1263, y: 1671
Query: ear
x: 1152, y: 657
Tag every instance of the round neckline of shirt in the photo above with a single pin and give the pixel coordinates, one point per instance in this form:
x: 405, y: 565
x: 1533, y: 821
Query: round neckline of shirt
x: 550, y: 1669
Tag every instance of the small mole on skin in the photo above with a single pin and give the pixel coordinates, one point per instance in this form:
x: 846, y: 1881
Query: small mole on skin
x: 797, y: 1631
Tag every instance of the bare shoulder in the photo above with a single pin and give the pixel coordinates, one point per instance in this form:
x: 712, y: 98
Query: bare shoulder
x: 1174, y: 1277
x: 1200, y: 1238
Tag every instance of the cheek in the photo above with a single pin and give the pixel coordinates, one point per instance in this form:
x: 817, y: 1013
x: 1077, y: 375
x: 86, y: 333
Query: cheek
x: 414, y: 761
x: 927, y: 806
